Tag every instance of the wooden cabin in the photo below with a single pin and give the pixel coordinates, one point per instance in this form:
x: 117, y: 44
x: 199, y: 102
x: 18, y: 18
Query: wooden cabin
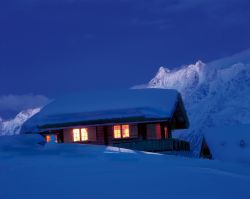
x: 141, y: 119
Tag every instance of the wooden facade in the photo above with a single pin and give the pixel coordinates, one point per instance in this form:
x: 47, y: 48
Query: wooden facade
x: 132, y: 129
x: 151, y: 136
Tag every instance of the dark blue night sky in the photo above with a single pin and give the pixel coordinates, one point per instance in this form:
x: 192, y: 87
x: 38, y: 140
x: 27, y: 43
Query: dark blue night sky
x: 51, y: 47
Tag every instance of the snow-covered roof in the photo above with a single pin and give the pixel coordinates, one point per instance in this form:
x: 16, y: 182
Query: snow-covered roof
x: 102, y: 106
x: 230, y: 143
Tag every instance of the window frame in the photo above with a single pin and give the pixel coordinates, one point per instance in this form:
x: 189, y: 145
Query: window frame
x: 80, y: 134
x: 84, y: 134
x: 122, y: 133
x: 48, y: 138
x: 116, y: 133
x: 74, y: 135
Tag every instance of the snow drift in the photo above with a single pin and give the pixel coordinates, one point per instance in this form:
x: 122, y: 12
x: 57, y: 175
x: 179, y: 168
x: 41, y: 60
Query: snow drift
x: 18, y: 143
x: 83, y: 171
x: 230, y: 143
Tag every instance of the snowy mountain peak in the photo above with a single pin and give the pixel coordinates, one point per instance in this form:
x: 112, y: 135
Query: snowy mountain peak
x: 23, y: 115
x: 183, y: 79
x: 163, y: 70
x: 13, y: 126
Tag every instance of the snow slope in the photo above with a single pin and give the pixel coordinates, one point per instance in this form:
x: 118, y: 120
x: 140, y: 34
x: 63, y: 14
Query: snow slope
x: 230, y: 143
x: 215, y: 94
x: 13, y: 126
x: 83, y: 171
x: 18, y: 143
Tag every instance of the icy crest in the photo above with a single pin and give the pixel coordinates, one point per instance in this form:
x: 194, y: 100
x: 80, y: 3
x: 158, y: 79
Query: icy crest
x: 13, y: 126
x: 184, y: 79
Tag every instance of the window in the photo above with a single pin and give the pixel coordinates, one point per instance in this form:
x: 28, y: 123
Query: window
x: 51, y: 138
x: 125, y: 131
x: 154, y: 131
x: 84, y: 134
x: 80, y: 135
x: 166, y: 132
x: 121, y: 131
x: 47, y: 137
x: 117, y: 131
x: 76, y: 135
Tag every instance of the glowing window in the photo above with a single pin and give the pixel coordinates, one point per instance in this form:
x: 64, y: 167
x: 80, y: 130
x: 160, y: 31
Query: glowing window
x: 121, y: 131
x: 51, y: 138
x: 117, y: 131
x: 47, y: 137
x: 84, y: 134
x: 76, y: 135
x: 125, y: 131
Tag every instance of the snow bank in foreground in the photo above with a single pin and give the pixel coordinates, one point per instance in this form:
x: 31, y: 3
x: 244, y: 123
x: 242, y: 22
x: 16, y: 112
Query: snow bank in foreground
x: 20, y: 142
x: 83, y: 171
x: 230, y: 143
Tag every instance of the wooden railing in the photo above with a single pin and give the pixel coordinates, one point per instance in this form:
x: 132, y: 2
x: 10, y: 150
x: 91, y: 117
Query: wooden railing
x: 153, y: 145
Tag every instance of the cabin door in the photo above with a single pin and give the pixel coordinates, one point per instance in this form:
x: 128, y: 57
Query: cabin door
x: 142, y: 131
x: 105, y: 133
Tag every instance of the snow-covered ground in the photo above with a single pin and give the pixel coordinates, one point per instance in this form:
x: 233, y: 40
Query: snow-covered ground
x: 29, y: 170
x: 229, y: 143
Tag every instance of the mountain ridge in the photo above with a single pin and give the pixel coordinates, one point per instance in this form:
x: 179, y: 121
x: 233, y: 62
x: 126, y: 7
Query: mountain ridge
x: 216, y: 93
x: 13, y: 126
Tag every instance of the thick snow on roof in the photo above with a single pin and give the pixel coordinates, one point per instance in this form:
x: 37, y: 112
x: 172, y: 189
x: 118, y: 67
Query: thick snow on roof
x: 106, y: 105
x: 230, y: 143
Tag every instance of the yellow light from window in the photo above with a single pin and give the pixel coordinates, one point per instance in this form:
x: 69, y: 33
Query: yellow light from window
x: 117, y: 131
x: 84, y: 134
x: 125, y: 131
x: 47, y: 137
x: 76, y: 135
